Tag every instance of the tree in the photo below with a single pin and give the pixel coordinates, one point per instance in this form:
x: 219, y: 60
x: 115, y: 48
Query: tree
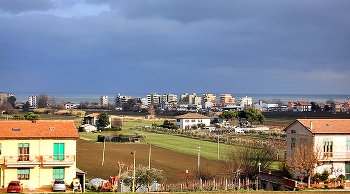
x: 244, y: 161
x: 151, y: 111
x: 143, y: 176
x: 43, y: 101
x: 12, y: 101
x: 277, y: 101
x: 26, y: 106
x: 330, y: 100
x: 104, y: 120
x: 253, y: 114
x: 7, y: 107
x: 18, y: 117
x: 305, y: 158
x: 32, y: 116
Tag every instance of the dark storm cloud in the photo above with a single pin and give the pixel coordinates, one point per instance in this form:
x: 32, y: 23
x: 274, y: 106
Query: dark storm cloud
x: 227, y: 46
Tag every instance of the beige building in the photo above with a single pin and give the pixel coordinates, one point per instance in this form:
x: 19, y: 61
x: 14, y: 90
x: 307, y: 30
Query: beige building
x: 36, y: 152
x: 331, y: 136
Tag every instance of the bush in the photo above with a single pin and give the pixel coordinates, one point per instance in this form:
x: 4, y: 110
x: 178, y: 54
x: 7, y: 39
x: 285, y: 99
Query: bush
x: 324, y: 176
x: 18, y: 117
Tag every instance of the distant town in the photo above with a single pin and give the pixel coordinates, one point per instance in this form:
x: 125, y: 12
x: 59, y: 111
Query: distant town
x: 173, y: 103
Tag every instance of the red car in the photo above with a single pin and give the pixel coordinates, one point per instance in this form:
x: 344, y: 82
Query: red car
x: 15, y: 187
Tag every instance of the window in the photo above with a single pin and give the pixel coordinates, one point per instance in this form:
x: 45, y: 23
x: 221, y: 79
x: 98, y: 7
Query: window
x: 347, y: 146
x: 23, y: 152
x: 293, y: 143
x: 193, y: 121
x: 328, y: 148
x: 293, y: 131
x: 23, y: 174
x: 178, y: 120
x: 58, y: 151
x: 187, y: 121
x: 58, y: 173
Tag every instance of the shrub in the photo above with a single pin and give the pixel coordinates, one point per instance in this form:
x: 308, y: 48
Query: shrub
x: 18, y: 117
x: 324, y: 176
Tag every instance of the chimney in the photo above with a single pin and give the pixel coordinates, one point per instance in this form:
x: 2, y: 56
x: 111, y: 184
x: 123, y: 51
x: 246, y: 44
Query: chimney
x: 311, y: 125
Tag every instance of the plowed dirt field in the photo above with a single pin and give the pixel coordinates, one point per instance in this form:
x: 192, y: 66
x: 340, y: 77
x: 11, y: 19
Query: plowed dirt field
x: 173, y: 164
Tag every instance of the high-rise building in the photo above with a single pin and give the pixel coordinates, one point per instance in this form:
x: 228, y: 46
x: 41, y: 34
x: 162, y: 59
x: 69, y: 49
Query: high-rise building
x: 119, y: 99
x: 246, y: 101
x: 208, y: 98
x: 104, y: 100
x: 190, y: 99
x: 153, y: 99
x: 226, y: 98
x: 168, y: 98
x: 33, y: 101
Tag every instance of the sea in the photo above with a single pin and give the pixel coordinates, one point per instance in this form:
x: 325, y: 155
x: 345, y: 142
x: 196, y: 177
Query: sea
x: 76, y: 98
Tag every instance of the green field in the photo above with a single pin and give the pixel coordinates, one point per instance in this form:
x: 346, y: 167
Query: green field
x: 182, y: 145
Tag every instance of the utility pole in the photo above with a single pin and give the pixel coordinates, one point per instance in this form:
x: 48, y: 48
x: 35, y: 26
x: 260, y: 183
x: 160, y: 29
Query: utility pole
x: 133, y: 180
x: 149, y: 157
x: 199, y: 156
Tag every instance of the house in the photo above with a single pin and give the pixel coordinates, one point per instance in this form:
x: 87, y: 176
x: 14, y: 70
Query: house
x: 303, y: 106
x: 36, y: 152
x: 187, y: 120
x: 336, y: 106
x: 93, y: 118
x: 331, y: 136
x: 69, y: 105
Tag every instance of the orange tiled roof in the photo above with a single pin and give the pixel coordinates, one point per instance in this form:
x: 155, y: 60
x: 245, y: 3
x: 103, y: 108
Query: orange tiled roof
x: 38, y: 129
x: 327, y: 125
x: 94, y: 115
x: 192, y: 116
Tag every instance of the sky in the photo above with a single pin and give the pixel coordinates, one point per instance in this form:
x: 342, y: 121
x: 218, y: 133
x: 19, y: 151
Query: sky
x: 175, y: 46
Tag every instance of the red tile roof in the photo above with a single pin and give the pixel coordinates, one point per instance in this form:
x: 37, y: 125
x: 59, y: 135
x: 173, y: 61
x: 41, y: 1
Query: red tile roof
x: 327, y: 125
x: 38, y: 129
x: 192, y: 116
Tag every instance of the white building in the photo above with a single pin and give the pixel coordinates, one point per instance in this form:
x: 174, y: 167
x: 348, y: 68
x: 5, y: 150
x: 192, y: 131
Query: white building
x: 246, y: 101
x: 187, y: 120
x: 33, y: 101
x: 104, y: 100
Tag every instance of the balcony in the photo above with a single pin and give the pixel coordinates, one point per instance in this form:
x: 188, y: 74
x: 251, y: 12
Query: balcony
x: 27, y: 161
x: 57, y: 160
x: 336, y: 156
x: 22, y: 161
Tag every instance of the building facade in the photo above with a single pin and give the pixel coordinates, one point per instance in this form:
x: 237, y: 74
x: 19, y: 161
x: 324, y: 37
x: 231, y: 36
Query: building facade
x: 37, y: 152
x: 330, y: 136
x: 104, y: 100
x: 187, y: 120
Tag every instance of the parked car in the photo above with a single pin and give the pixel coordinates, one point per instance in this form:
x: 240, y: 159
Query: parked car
x: 15, y: 187
x: 59, y: 185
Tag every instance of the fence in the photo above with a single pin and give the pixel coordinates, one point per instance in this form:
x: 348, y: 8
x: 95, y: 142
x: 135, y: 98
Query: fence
x: 210, y: 185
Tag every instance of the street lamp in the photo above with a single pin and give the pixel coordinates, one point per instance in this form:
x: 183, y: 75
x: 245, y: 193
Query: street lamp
x: 199, y: 156
x: 133, y: 180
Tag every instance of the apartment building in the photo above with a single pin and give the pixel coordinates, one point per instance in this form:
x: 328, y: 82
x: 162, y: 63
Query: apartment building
x: 190, y: 99
x: 246, y: 101
x: 104, y: 100
x: 119, y: 100
x: 153, y: 98
x: 36, y: 152
x: 330, y: 136
x: 226, y: 99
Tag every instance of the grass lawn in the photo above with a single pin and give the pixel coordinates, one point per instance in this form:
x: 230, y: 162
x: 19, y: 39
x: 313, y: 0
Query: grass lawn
x: 182, y: 145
